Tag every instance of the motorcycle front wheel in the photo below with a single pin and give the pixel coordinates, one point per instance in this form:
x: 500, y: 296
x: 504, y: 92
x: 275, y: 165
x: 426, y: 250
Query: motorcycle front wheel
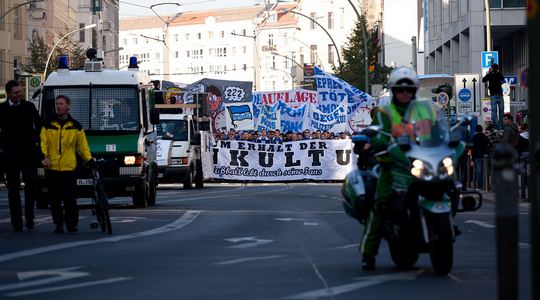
x: 403, y: 254
x: 442, y: 244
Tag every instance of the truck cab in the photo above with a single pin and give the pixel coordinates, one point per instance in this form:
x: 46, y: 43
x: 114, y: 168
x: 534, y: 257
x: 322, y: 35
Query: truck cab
x: 116, y: 111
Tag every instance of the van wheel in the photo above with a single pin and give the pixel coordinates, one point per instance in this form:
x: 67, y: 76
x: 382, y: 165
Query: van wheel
x: 140, y: 195
x: 199, y: 178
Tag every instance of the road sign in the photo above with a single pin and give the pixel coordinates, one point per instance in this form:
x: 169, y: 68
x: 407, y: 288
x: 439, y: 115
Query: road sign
x: 33, y: 84
x: 511, y: 80
x: 506, y: 89
x: 442, y: 98
x: 464, y: 95
x: 468, y: 92
x: 489, y: 57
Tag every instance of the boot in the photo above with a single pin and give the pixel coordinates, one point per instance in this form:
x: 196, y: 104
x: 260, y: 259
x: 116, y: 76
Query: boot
x: 368, y: 262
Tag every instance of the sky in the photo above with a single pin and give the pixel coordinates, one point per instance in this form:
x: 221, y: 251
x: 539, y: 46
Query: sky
x: 133, y: 11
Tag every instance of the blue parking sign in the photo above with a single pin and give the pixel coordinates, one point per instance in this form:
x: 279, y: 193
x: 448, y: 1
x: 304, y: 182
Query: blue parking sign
x: 489, y: 57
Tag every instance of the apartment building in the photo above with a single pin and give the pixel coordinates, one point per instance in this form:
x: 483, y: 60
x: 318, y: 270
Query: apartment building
x: 268, y: 45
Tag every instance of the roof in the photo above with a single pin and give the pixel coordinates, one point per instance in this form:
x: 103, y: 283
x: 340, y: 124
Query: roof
x: 105, y: 77
x: 199, y: 18
x: 435, y: 76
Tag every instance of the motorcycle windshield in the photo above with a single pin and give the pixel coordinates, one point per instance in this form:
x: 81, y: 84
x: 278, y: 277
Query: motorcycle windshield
x: 428, y: 125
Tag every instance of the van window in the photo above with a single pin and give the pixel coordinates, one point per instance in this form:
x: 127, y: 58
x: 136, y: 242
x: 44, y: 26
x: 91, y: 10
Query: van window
x: 176, y: 130
x: 98, y: 108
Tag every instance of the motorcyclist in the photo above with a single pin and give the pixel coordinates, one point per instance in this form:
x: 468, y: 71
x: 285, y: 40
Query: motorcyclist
x: 403, y: 83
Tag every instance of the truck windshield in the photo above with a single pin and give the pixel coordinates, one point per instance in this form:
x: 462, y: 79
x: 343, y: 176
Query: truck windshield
x: 97, y: 108
x: 176, y: 130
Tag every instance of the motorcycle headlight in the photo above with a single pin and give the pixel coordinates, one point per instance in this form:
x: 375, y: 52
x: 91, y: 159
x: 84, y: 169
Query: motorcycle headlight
x: 421, y: 170
x: 447, y: 167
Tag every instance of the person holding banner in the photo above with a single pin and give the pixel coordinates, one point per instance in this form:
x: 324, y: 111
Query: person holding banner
x: 403, y: 83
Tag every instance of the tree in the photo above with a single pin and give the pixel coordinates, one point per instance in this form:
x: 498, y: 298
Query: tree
x: 352, y: 69
x: 38, y: 52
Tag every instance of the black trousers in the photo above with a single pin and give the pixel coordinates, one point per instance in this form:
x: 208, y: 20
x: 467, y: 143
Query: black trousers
x: 13, y: 177
x: 62, y: 190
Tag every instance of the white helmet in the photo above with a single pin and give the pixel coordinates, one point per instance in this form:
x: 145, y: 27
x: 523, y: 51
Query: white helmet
x: 403, y: 77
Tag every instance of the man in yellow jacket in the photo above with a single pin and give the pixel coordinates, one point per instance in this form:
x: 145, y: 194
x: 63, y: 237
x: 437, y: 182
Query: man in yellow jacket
x: 62, y: 140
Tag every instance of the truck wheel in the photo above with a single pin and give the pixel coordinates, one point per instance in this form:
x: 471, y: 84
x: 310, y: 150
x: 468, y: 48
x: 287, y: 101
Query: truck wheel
x: 140, y: 195
x: 188, y: 184
x: 199, y: 178
x: 152, y: 192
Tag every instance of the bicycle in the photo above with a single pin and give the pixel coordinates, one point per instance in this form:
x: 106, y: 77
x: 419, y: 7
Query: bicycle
x: 100, y: 202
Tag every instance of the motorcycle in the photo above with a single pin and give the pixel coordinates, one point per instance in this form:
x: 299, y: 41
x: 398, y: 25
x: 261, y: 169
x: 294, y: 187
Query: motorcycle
x: 425, y: 193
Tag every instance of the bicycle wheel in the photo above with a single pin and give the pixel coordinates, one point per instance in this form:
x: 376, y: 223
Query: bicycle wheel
x: 103, y: 205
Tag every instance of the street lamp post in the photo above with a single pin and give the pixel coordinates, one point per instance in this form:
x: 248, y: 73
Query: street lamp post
x: 58, y: 43
x: 286, y: 57
x: 255, y: 59
x: 17, y: 6
x: 322, y: 27
x: 363, y: 28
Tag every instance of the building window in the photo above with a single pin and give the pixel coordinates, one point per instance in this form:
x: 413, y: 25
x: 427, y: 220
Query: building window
x: 176, y: 37
x: 210, y: 34
x: 312, y: 23
x: 222, y: 34
x: 124, y: 42
x: 3, y: 20
x: 273, y: 61
x: 176, y: 54
x: 199, y: 35
x: 342, y: 18
x: 2, y: 59
x: 330, y: 20
x: 187, y: 54
x: 243, y: 32
x: 187, y: 36
x: 270, y: 39
x: 244, y: 67
x: 244, y: 49
x: 157, y: 55
x: 331, y: 54
x: 81, y: 33
x: 17, y: 35
x: 313, y: 54
x: 135, y: 41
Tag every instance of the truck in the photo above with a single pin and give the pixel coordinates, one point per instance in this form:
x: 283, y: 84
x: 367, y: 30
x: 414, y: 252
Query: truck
x: 179, y: 143
x: 116, y: 110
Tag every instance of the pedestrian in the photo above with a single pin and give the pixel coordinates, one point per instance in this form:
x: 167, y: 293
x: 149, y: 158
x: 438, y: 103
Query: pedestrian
x: 492, y: 135
x: 19, y: 140
x: 263, y: 138
x: 62, y: 141
x: 495, y: 79
x: 480, y: 147
x: 511, y: 132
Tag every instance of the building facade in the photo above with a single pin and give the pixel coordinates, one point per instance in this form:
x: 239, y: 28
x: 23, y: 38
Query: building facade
x: 12, y: 38
x: 269, y: 45
x: 455, y: 36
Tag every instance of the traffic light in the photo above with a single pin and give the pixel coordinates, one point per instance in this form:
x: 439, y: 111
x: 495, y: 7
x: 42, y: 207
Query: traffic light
x: 445, y: 87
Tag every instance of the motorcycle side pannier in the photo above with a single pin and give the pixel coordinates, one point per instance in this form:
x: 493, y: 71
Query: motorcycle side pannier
x: 358, y: 191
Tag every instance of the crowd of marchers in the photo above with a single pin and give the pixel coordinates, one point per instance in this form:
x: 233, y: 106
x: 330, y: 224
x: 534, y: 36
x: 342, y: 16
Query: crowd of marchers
x: 276, y: 136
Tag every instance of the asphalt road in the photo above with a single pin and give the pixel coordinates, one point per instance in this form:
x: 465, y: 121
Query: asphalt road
x: 236, y: 241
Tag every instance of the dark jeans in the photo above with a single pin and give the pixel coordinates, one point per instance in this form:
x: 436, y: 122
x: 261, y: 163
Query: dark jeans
x: 62, y: 190
x: 13, y: 177
x: 479, y: 172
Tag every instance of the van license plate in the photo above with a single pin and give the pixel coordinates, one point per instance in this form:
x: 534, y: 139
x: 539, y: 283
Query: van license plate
x: 84, y: 182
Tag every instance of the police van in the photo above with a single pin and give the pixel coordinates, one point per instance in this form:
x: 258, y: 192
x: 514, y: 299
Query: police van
x: 117, y: 113
x: 179, y: 143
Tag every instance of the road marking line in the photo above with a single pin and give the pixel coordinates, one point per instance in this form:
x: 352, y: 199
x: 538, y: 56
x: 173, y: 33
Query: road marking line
x: 525, y: 245
x: 235, y: 261
x: 366, y: 282
x: 69, y: 286
x: 184, y: 220
x: 480, y: 223
x: 311, y: 224
x: 348, y: 246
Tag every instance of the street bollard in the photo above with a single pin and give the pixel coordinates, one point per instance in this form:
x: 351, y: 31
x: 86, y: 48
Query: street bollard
x: 506, y: 191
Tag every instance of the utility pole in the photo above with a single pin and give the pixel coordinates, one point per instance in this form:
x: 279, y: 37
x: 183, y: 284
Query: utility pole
x: 534, y: 183
x: 414, y: 59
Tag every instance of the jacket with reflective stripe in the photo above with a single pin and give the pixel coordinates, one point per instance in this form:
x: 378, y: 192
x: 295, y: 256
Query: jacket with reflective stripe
x: 62, y: 144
